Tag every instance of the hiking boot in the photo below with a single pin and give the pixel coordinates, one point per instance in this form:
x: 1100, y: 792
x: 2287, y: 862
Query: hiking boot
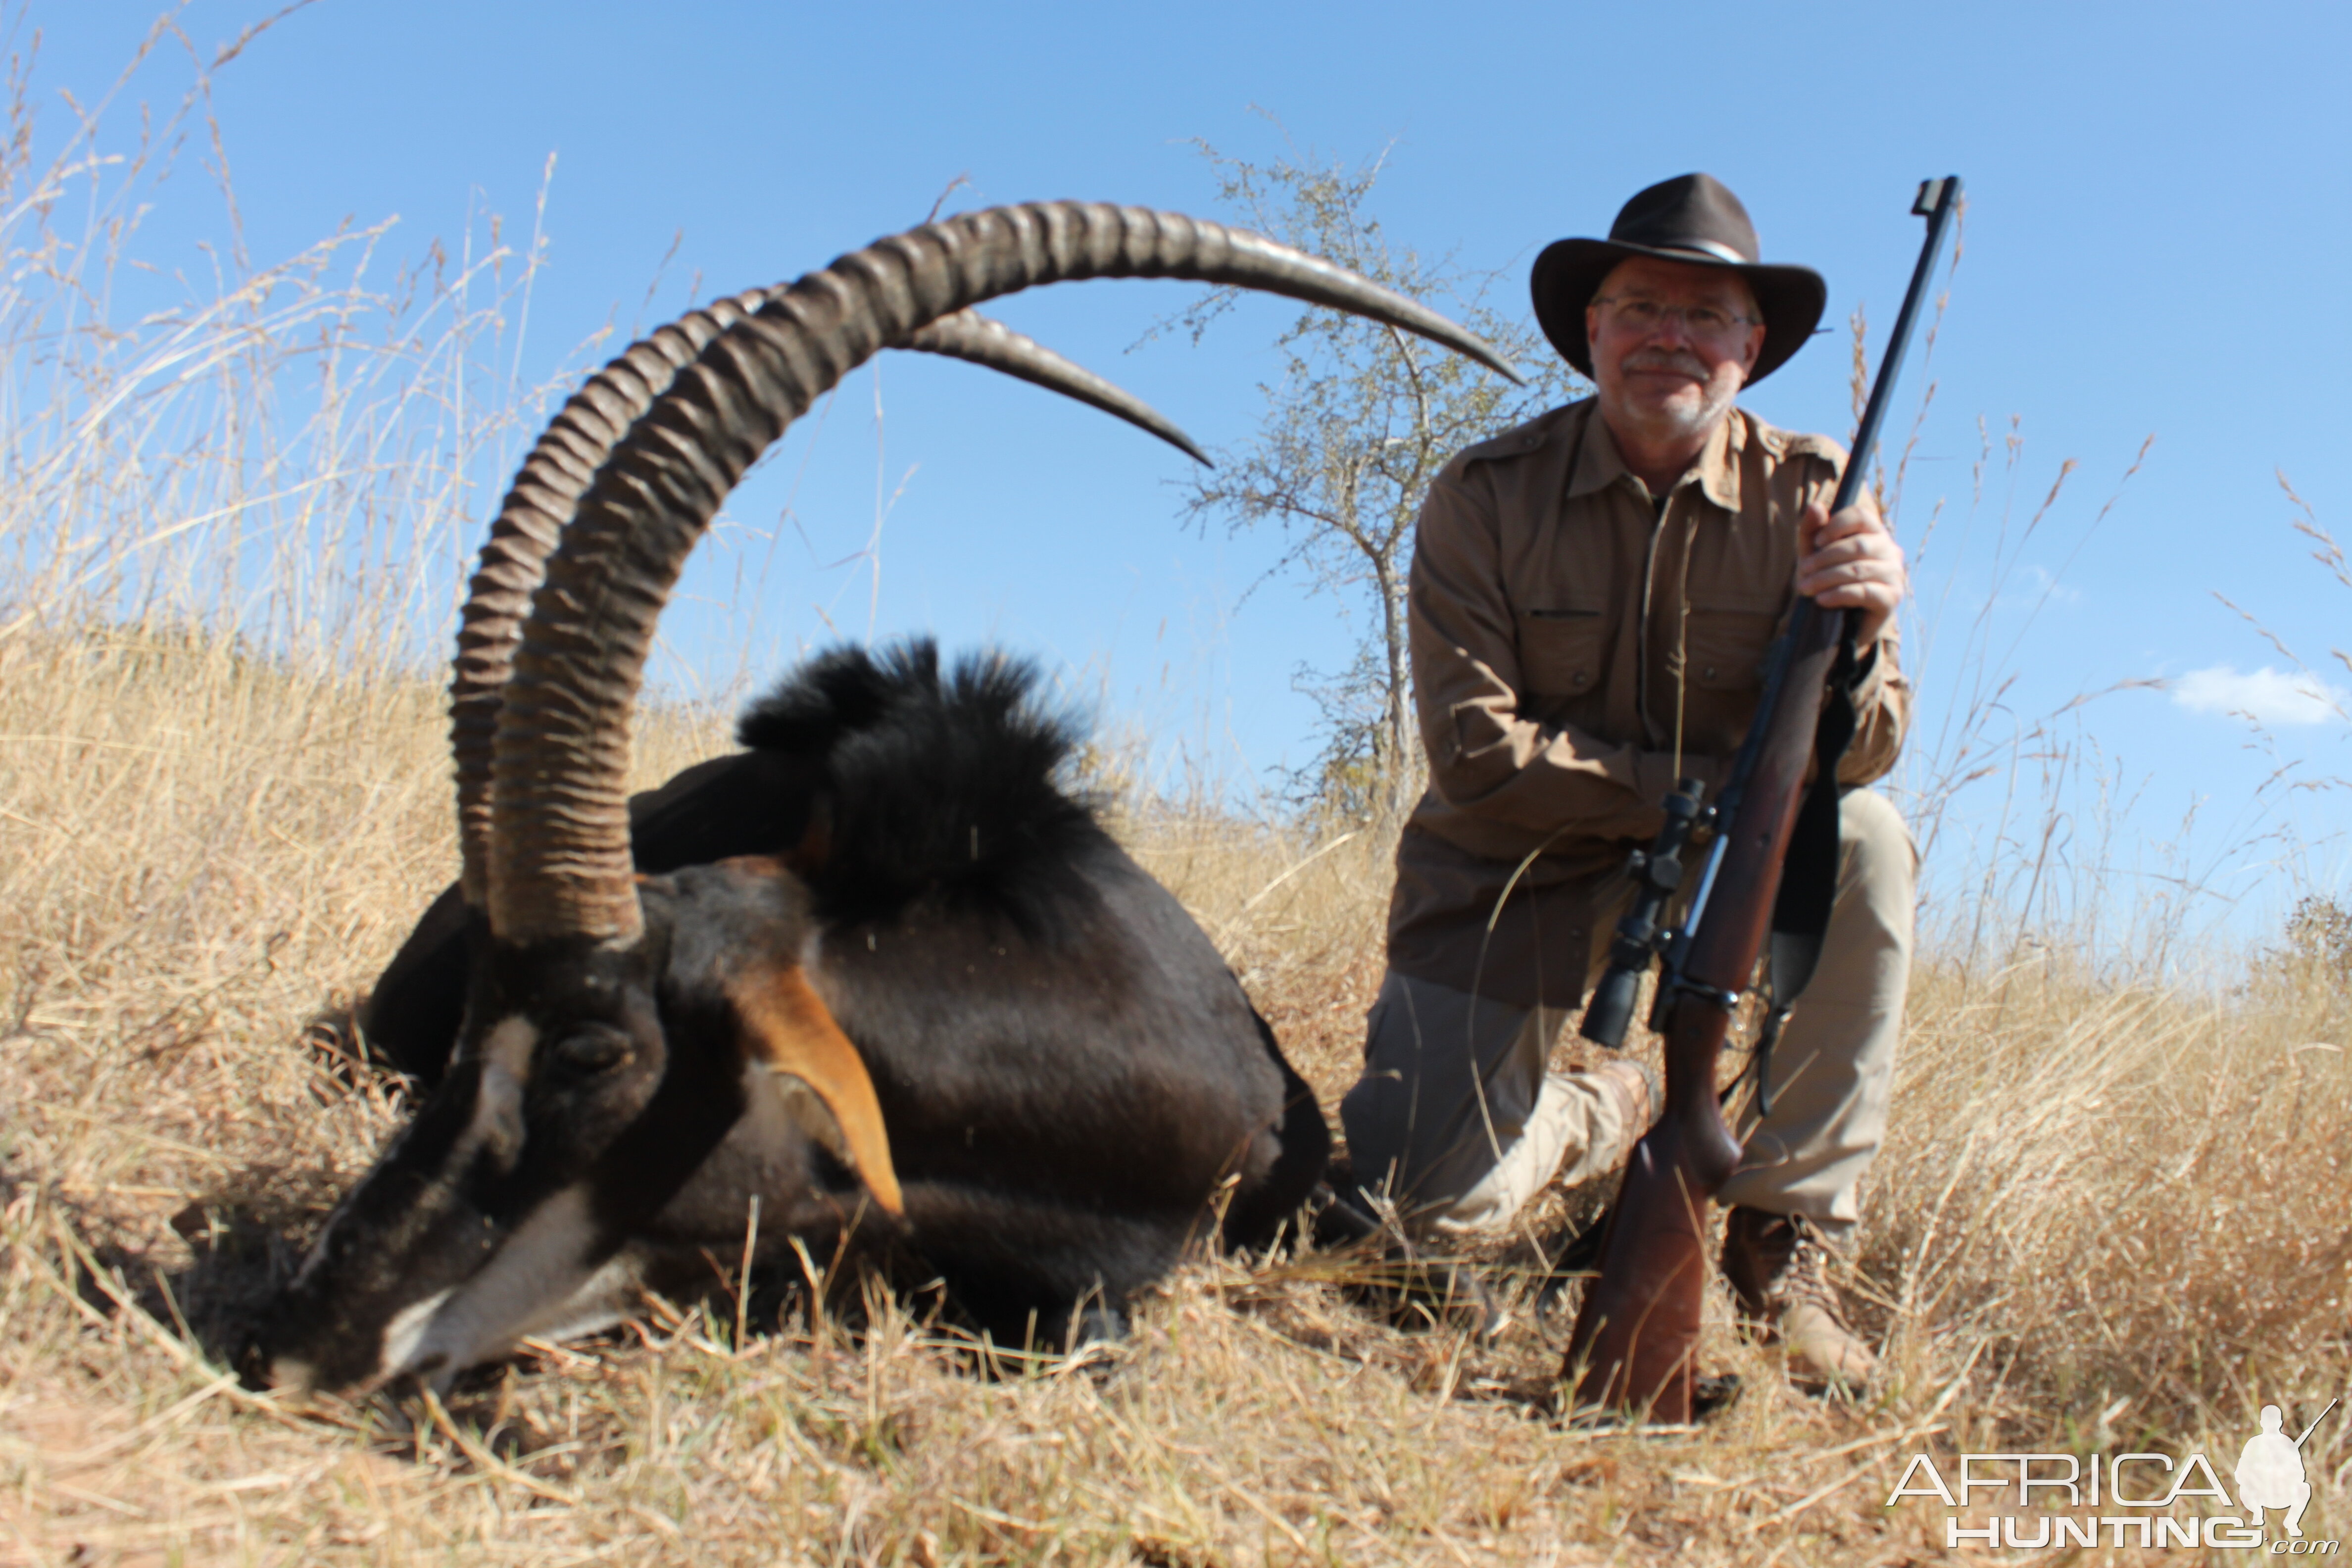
x: 1777, y: 1266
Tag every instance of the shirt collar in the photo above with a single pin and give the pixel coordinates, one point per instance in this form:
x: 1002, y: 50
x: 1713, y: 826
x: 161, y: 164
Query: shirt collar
x: 1717, y: 472
x: 1598, y: 464
x: 1717, y: 468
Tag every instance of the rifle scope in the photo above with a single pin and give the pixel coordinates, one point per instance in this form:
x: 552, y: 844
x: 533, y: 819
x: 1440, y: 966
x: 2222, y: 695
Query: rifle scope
x: 1656, y: 872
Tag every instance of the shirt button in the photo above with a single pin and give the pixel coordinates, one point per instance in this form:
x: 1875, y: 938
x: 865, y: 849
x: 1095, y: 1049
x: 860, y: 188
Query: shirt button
x: 1708, y: 673
x: 1581, y: 678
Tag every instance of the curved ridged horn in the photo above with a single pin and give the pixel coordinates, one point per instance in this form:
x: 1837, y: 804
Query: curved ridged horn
x: 547, y: 491
x: 560, y: 865
x: 530, y: 522
x: 969, y: 335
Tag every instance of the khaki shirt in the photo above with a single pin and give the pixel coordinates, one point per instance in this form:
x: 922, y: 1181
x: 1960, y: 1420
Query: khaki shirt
x: 1574, y: 653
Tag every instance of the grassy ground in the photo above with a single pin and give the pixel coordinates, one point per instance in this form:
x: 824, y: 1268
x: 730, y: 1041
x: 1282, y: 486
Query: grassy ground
x: 2108, y: 1218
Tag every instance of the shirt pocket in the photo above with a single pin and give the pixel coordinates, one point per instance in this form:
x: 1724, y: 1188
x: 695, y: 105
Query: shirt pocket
x: 1560, y: 651
x: 1728, y: 637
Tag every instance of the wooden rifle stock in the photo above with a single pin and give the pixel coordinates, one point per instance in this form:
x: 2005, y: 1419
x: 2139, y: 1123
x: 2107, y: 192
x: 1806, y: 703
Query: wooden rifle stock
x: 1637, y: 1341
x: 1635, y: 1346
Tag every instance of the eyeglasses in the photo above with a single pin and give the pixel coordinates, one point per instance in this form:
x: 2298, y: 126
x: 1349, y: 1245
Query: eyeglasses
x: 1646, y: 316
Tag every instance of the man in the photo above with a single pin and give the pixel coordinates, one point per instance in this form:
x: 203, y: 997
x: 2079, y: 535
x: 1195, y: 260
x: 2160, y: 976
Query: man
x: 1592, y: 595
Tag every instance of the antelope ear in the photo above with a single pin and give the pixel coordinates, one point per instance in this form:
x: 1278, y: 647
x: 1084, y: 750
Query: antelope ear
x: 789, y: 1029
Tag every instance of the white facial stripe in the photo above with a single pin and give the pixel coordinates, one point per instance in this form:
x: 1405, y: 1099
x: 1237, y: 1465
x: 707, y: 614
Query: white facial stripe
x: 609, y: 1297
x: 544, y: 1263
x: 506, y: 1068
x: 506, y: 1065
x: 400, y: 1336
x: 510, y: 1044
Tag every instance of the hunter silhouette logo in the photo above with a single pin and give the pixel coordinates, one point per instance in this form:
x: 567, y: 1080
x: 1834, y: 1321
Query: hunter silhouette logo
x: 2142, y: 1489
x: 2270, y: 1471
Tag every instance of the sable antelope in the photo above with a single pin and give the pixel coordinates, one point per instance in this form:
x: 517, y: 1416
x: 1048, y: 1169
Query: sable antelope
x: 941, y: 1015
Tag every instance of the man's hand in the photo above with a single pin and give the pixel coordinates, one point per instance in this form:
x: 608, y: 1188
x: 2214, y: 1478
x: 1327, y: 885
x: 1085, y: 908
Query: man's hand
x: 1852, y: 563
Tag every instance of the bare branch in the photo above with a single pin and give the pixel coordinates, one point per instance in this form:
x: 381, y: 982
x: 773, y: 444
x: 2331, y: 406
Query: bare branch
x: 1355, y: 427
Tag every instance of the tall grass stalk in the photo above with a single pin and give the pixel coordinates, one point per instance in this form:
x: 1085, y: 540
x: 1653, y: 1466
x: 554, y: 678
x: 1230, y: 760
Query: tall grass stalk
x: 288, y: 454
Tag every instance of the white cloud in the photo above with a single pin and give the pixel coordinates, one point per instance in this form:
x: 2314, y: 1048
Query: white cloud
x: 2267, y: 695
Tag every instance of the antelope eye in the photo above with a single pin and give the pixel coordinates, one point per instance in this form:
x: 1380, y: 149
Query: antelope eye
x: 591, y: 1051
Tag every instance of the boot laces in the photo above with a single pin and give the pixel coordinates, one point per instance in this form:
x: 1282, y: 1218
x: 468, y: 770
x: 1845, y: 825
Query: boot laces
x: 1807, y: 1280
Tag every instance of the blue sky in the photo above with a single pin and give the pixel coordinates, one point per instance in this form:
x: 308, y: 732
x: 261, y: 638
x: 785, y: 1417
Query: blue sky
x: 2155, y: 247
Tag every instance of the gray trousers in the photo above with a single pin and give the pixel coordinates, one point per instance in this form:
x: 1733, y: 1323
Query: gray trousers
x: 1461, y: 1119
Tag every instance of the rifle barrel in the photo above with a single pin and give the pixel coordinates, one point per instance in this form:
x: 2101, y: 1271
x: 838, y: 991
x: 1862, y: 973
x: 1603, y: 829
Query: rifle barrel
x: 1940, y: 200
x: 2315, y: 1423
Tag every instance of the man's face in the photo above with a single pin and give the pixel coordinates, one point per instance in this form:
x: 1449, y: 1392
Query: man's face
x: 1672, y: 345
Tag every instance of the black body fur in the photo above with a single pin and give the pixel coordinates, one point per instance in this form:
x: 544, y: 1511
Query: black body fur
x: 938, y: 791
x: 1067, y: 1068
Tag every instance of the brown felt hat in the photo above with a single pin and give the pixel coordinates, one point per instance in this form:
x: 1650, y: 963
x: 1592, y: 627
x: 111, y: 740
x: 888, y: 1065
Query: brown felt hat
x: 1693, y: 218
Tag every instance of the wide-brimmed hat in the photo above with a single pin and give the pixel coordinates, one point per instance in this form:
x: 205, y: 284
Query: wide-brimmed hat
x: 1693, y: 218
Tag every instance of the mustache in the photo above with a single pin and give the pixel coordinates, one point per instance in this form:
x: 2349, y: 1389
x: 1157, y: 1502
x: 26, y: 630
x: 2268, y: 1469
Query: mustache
x: 1680, y: 360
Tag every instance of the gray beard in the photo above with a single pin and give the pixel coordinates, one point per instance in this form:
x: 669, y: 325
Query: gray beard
x: 1701, y: 420
x: 1683, y: 421
x: 1686, y: 422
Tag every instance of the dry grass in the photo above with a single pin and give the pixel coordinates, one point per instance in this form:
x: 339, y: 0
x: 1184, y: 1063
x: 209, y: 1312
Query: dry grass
x: 2106, y: 1214
x: 2110, y: 1215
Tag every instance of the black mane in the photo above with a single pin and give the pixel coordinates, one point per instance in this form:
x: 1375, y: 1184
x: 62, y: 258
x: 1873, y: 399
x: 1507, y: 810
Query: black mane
x: 941, y: 788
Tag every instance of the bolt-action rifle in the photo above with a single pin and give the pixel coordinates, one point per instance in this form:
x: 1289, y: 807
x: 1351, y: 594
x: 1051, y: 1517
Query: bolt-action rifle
x: 1635, y: 1349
